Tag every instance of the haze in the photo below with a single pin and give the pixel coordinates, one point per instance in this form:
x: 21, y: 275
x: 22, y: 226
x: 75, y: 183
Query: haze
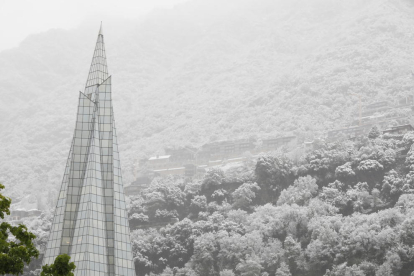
x: 271, y: 137
x: 20, y: 18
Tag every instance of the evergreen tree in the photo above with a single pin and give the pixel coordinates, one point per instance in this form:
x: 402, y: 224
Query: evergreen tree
x: 283, y: 270
x: 374, y: 133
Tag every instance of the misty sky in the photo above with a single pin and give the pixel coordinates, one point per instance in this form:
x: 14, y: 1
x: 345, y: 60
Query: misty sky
x: 20, y: 18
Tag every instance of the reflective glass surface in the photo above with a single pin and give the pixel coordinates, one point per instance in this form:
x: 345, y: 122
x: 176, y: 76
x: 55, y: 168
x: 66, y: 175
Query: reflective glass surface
x: 90, y: 222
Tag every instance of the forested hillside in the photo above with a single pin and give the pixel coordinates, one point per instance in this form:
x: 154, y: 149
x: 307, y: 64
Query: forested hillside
x: 346, y: 208
x: 203, y: 71
x: 343, y: 209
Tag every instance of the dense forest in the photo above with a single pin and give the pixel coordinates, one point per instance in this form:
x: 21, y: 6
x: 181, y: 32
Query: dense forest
x: 285, y: 68
x: 344, y: 208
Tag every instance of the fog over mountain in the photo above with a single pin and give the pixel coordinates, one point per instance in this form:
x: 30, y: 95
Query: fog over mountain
x: 203, y: 71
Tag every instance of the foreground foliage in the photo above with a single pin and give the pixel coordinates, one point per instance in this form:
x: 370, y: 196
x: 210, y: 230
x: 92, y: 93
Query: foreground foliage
x: 16, y: 243
x: 61, y: 267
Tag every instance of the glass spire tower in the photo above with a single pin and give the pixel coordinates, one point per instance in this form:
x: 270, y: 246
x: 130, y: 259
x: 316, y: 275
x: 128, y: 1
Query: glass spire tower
x: 90, y: 222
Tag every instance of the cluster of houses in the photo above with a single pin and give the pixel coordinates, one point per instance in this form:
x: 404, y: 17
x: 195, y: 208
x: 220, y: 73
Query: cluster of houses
x: 378, y: 114
x: 17, y: 215
x: 188, y: 161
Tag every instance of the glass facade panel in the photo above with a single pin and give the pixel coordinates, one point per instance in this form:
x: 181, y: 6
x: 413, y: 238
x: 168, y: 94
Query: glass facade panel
x: 90, y: 222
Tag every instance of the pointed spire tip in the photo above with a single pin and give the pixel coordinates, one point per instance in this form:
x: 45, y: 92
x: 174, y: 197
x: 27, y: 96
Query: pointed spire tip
x: 100, y: 29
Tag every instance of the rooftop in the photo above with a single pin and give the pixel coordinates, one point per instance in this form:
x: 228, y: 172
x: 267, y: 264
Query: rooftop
x: 160, y: 157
